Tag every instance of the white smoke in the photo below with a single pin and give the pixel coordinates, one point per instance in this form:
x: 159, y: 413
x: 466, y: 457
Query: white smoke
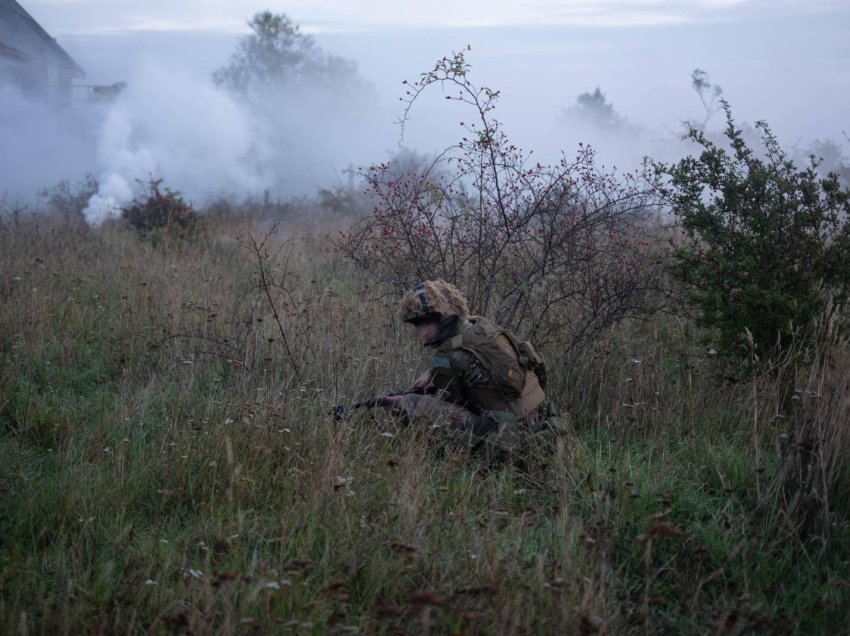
x: 176, y: 127
x: 172, y: 123
x: 112, y: 193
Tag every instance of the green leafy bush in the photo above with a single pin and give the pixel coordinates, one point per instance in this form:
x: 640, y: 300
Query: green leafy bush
x: 161, y: 212
x: 764, y: 243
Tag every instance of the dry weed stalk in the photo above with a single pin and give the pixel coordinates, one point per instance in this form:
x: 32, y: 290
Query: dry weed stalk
x: 816, y: 446
x: 273, y: 284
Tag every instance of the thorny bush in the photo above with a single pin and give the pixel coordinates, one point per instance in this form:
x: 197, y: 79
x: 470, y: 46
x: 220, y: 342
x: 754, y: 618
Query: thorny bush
x: 161, y: 211
x: 558, y: 250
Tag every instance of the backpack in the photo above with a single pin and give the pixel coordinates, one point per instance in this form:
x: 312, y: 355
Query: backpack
x: 529, y: 358
x: 507, y: 371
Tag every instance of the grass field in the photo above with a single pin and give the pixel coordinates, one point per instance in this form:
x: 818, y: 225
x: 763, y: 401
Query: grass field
x: 168, y: 462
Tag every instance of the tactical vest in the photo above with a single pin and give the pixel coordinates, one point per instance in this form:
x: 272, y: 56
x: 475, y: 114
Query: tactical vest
x: 485, y: 368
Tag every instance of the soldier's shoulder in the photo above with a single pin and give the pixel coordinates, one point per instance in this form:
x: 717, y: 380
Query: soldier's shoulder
x: 477, y: 330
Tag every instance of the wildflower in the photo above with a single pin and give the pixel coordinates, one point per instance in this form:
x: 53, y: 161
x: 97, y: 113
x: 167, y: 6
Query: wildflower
x: 191, y: 573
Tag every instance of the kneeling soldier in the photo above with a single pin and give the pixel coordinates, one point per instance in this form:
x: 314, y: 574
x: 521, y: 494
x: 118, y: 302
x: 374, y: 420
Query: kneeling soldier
x: 485, y: 386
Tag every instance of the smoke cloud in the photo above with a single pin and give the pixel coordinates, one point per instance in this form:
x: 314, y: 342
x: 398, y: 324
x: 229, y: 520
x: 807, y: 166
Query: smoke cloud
x: 174, y: 124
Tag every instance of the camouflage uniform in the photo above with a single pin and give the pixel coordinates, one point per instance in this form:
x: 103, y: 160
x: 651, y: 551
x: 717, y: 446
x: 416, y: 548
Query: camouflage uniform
x: 484, y: 390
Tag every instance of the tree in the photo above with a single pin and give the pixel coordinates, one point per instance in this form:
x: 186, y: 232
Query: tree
x: 708, y: 93
x: 277, y: 53
x: 830, y: 158
x: 765, y: 243
x: 595, y: 110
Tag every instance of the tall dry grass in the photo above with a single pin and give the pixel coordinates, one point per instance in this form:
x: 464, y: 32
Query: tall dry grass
x: 170, y: 466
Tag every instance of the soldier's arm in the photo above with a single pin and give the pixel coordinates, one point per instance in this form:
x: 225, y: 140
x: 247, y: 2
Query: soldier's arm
x: 420, y: 385
x: 460, y: 379
x: 422, y: 381
x: 470, y: 371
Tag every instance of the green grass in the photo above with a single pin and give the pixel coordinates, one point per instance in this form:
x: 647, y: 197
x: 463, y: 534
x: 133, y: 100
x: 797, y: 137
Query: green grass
x: 166, y: 467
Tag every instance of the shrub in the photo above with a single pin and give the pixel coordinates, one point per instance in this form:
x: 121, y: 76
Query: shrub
x: 344, y: 200
x: 161, y: 212
x: 559, y: 249
x: 67, y: 201
x: 765, y: 243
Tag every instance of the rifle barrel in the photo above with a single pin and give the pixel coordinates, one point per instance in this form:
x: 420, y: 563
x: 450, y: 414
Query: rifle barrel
x: 341, y: 411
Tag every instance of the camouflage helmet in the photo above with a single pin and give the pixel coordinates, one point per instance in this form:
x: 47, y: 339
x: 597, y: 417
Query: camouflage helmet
x: 433, y: 299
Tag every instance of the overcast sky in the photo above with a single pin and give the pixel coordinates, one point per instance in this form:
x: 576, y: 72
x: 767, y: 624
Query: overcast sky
x: 783, y: 61
x: 98, y: 16
x: 787, y: 61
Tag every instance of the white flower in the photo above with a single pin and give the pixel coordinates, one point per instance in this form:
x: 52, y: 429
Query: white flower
x: 190, y: 573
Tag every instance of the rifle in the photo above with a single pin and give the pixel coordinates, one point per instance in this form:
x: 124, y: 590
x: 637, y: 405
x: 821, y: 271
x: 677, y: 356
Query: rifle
x: 342, y: 411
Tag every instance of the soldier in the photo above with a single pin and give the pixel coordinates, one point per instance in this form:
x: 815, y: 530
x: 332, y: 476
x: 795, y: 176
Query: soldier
x: 485, y: 387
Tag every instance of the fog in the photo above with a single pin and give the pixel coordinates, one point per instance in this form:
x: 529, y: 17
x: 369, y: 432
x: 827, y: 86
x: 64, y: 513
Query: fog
x: 40, y: 145
x: 173, y: 123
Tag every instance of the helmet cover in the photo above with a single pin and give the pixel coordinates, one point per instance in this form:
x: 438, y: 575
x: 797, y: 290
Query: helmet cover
x: 433, y: 299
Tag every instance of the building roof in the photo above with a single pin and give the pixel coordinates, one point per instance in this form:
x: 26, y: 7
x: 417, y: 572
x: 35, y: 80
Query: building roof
x: 23, y: 38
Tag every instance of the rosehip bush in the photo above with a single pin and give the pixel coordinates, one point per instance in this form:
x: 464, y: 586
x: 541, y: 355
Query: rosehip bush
x: 558, y: 252
x: 160, y: 213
